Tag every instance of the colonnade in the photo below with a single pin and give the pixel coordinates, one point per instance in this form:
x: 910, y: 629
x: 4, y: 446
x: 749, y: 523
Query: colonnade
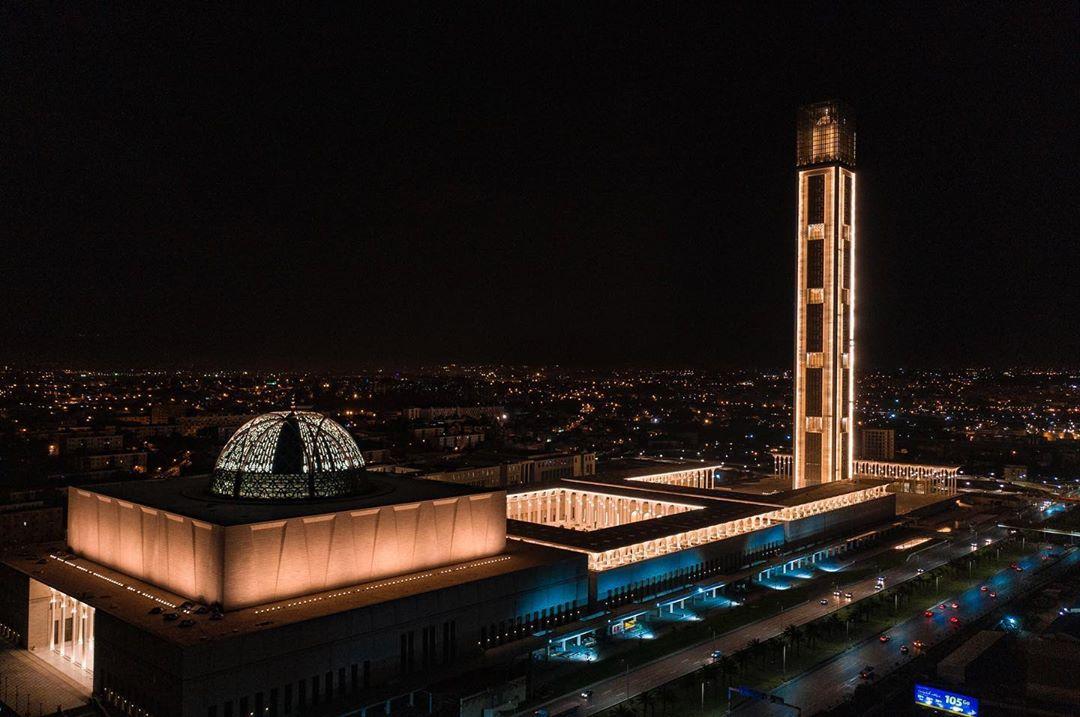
x: 680, y: 541
x: 794, y: 512
x: 940, y: 478
x: 697, y: 477
x: 71, y: 629
x: 586, y: 510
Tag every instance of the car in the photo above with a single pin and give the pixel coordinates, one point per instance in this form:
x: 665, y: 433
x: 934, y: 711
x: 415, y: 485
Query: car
x: 879, y: 586
x: 1019, y: 568
x: 983, y: 588
x: 903, y: 649
x: 823, y: 601
x: 884, y: 638
x: 867, y: 672
x: 928, y: 613
x: 918, y: 644
x: 716, y: 655
x: 586, y: 694
x: 987, y: 541
x: 919, y: 571
x: 974, y: 546
x: 837, y: 593
x: 992, y: 594
x: 956, y: 606
x: 847, y: 595
x: 954, y: 620
x: 944, y: 606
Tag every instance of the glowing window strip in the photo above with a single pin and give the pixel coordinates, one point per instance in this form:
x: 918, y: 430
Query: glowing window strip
x: 114, y: 581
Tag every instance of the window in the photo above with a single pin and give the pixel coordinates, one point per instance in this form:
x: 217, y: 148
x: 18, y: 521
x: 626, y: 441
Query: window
x: 341, y: 680
x: 814, y: 328
x: 847, y: 265
x: 849, y: 208
x: 812, y: 459
x: 355, y: 677
x: 815, y: 199
x: 301, y: 693
x: 288, y: 698
x: 813, y: 392
x: 815, y: 264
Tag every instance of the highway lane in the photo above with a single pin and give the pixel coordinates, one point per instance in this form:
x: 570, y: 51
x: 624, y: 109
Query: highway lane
x: 835, y: 681
x: 614, y: 690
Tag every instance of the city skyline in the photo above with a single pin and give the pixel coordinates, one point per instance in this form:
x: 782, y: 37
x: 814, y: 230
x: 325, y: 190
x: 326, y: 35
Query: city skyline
x: 468, y: 197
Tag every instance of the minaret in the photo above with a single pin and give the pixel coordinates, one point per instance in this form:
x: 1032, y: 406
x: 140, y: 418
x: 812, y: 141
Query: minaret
x: 825, y: 294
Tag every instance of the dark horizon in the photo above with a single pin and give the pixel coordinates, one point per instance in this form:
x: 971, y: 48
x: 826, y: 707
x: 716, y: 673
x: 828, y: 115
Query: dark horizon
x: 528, y: 186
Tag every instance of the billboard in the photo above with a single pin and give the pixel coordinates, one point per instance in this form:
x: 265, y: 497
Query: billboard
x: 938, y: 699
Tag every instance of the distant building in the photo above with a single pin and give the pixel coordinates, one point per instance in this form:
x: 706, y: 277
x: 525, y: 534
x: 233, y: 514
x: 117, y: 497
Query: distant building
x: 1015, y: 472
x: 877, y: 444
x: 166, y: 412
x: 193, y: 425
x: 433, y: 413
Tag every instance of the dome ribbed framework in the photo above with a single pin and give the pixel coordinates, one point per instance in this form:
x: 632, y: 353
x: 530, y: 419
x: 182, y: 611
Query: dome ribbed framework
x: 289, y: 455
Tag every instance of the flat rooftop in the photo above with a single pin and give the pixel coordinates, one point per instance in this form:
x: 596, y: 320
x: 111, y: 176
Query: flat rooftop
x: 190, y: 497
x: 132, y: 600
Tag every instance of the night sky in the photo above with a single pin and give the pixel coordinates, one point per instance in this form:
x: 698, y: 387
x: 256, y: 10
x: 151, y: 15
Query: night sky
x: 532, y: 184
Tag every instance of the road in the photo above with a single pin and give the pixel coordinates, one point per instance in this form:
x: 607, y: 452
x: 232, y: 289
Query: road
x: 833, y: 682
x: 611, y: 691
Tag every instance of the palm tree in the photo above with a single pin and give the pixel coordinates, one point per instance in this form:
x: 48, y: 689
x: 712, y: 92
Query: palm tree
x: 834, y: 623
x: 753, y: 646
x: 727, y: 669
x: 812, y: 630
x: 743, y: 656
x: 793, y: 635
x: 666, y: 696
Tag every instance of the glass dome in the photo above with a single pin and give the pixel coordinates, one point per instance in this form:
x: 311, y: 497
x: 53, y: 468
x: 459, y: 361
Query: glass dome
x: 289, y: 455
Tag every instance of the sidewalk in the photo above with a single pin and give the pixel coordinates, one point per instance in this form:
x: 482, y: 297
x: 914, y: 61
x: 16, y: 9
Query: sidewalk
x: 31, y: 687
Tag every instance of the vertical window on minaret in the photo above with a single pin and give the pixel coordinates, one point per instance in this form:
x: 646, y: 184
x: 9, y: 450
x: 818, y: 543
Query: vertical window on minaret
x: 814, y: 328
x: 815, y: 264
x: 849, y: 213
x: 815, y: 199
x: 812, y: 461
x: 813, y: 392
x: 847, y: 265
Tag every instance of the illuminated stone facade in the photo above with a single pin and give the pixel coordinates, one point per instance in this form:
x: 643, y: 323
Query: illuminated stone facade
x: 824, y: 339
x: 259, y: 562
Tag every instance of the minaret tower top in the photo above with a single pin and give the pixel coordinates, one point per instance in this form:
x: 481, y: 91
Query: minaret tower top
x: 825, y: 134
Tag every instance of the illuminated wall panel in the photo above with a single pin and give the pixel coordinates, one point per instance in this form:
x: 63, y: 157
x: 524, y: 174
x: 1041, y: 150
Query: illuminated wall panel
x: 246, y: 565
